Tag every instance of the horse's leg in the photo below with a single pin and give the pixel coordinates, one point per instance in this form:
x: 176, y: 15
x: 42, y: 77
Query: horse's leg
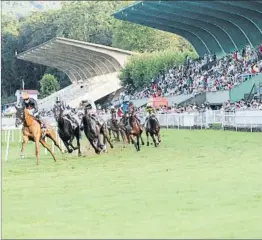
x: 52, y: 136
x: 24, y: 142
x: 147, y: 137
x: 78, y: 146
x: 37, y: 150
x: 133, y: 141
x: 69, y: 150
x: 137, y: 142
x: 106, y: 137
x: 45, y: 145
x: 114, y: 134
x: 117, y: 135
x: 70, y: 142
x: 153, y: 137
x: 158, y: 136
x: 109, y: 132
x: 142, y: 140
x: 97, y: 151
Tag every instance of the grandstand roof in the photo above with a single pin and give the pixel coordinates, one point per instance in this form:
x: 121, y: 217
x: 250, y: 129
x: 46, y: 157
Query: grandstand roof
x: 210, y: 26
x: 79, y: 60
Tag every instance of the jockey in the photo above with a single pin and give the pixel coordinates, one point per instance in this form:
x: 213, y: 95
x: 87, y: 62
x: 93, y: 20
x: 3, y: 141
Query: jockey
x: 90, y: 111
x: 31, y: 105
x: 124, y: 109
x: 59, y: 104
x: 66, y: 112
x: 150, y: 113
x: 113, y: 113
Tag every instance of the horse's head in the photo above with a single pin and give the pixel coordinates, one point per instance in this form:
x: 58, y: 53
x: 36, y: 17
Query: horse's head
x: 58, y: 112
x: 19, y: 116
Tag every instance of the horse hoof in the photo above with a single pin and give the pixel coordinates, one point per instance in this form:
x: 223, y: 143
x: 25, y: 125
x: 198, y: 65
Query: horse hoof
x: 147, y: 144
x: 70, y: 151
x: 112, y: 146
x: 97, y: 152
x: 143, y: 143
x: 22, y: 156
x: 79, y: 154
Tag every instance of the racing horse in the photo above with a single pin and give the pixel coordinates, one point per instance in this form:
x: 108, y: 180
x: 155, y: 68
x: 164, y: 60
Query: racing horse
x: 92, y: 131
x: 153, y: 128
x: 134, y: 130
x: 116, y: 129
x: 32, y: 131
x: 66, y: 131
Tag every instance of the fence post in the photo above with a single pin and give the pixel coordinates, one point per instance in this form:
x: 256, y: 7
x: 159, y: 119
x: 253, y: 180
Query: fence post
x: 7, y: 144
x: 12, y: 138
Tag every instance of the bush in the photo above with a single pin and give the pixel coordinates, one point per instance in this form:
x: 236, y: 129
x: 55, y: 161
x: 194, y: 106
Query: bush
x: 140, y: 69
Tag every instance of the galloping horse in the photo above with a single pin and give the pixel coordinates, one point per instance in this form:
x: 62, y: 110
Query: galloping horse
x: 136, y: 128
x: 66, y: 131
x: 153, y: 128
x: 116, y: 128
x: 93, y: 130
x: 32, y: 131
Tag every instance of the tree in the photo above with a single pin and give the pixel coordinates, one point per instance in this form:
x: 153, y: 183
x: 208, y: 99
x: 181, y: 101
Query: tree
x: 49, y: 85
x: 139, y: 38
x: 89, y: 21
x: 140, y: 69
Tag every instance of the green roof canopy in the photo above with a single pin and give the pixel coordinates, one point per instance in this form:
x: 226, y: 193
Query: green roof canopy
x: 210, y: 26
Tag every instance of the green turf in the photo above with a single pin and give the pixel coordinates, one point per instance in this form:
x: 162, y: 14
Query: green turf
x: 197, y: 184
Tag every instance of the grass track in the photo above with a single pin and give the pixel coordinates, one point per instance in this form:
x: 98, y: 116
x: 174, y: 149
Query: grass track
x: 197, y: 184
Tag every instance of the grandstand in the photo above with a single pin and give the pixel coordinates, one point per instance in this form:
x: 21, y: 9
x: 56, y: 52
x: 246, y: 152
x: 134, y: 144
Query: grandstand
x: 93, y: 69
x: 211, y: 27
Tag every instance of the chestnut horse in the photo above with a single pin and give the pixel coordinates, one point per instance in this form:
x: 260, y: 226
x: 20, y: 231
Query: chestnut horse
x: 32, y: 131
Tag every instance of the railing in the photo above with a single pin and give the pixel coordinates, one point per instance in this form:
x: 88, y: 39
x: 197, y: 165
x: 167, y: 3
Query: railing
x: 248, y: 119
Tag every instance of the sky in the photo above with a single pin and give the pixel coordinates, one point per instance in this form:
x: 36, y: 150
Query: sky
x: 23, y: 8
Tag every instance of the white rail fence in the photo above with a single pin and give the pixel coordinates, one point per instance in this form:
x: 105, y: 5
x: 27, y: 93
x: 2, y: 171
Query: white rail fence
x: 247, y: 120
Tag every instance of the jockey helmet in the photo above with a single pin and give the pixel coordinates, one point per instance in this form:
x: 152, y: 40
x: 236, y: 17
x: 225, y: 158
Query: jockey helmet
x: 112, y: 107
x: 148, y: 105
x: 57, y: 99
x: 25, y: 96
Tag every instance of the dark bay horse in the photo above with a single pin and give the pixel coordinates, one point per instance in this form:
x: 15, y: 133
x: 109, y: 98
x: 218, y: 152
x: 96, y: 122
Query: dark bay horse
x: 32, y: 131
x: 153, y: 128
x: 66, y: 131
x: 93, y: 130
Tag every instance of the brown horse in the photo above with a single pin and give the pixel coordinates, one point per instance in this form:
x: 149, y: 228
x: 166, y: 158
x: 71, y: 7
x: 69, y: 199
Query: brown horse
x: 32, y: 131
x: 136, y: 128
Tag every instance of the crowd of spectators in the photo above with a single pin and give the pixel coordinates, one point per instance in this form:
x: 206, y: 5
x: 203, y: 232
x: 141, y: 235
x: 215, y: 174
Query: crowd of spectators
x: 205, y: 74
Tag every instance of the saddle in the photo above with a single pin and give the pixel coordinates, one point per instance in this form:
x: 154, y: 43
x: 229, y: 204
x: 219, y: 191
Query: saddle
x: 72, y: 121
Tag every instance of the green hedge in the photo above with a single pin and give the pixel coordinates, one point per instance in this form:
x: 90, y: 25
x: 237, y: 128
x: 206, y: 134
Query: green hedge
x: 140, y: 69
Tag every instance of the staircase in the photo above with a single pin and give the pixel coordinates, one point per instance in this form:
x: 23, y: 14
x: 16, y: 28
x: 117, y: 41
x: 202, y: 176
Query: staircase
x: 93, y: 89
x: 238, y: 92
